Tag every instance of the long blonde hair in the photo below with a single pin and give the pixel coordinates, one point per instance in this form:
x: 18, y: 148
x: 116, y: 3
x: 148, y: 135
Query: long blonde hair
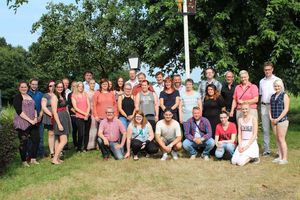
x: 76, y: 92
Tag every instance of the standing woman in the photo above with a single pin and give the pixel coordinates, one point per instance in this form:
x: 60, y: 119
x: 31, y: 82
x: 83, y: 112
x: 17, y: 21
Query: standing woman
x: 81, y: 105
x: 119, y: 89
x: 126, y: 105
x: 146, y: 101
x: 213, y: 105
x: 103, y: 99
x: 169, y: 99
x: 72, y: 114
x: 47, y: 115
x: 247, y: 135
x: 62, y: 122
x: 25, y: 123
x: 140, y: 136
x: 189, y: 99
x: 280, y: 103
x: 93, y: 127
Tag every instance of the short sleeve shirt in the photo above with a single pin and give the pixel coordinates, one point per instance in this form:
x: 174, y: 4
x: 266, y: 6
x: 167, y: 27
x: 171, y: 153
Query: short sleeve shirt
x: 226, y: 134
x: 112, y: 129
x: 168, y: 132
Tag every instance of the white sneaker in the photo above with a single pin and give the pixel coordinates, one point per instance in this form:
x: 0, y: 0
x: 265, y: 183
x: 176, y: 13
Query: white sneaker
x: 174, y: 155
x: 25, y: 164
x: 164, y: 157
x: 276, y: 160
x: 205, y: 157
x: 193, y: 157
x: 283, y: 162
x: 33, y: 161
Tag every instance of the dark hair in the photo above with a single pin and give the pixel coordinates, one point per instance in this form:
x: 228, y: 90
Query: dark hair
x: 171, y: 80
x: 118, y: 88
x: 224, y: 112
x: 176, y: 75
x: 196, y: 108
x: 48, y: 84
x: 103, y: 80
x: 87, y: 72
x: 189, y: 80
x: 141, y: 73
x: 214, y: 71
x: 268, y: 63
x: 159, y: 73
x: 168, y: 110
x: 21, y: 82
x: 216, y: 94
x: 146, y: 81
x: 63, y: 93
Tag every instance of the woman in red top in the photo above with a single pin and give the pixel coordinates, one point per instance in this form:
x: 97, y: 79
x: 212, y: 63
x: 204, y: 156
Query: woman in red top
x: 225, y: 136
x: 81, y: 105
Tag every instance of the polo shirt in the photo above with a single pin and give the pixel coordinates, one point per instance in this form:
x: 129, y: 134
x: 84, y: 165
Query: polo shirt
x: 87, y: 86
x: 37, y: 97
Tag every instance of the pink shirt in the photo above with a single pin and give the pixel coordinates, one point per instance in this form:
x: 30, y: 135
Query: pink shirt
x: 100, y: 103
x: 252, y: 91
x: 112, y: 129
x: 81, y: 103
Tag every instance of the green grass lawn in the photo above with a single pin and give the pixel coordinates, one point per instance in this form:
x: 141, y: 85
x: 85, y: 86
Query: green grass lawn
x: 87, y: 176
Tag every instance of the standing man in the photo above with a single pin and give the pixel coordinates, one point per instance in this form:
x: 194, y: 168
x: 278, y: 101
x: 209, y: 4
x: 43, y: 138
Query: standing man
x: 136, y: 89
x: 168, y: 136
x: 88, y: 75
x: 266, y: 90
x: 178, y: 84
x: 66, y: 83
x: 197, y: 131
x: 37, y: 96
x: 109, y: 135
x: 227, y: 92
x: 159, y: 85
x: 132, y: 78
x: 209, y: 74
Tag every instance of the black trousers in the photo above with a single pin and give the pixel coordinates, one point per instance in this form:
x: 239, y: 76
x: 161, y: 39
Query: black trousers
x: 136, y: 145
x: 74, y: 130
x: 83, y: 127
x: 32, y: 134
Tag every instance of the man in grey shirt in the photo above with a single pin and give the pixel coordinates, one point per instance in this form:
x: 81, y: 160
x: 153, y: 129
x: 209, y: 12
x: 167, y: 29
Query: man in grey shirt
x: 209, y: 74
x: 168, y: 136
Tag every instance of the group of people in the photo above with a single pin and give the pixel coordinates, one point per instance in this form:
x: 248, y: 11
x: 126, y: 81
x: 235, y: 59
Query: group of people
x: 136, y: 117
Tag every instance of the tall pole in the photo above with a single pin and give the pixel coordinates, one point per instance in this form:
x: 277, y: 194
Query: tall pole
x: 186, y: 40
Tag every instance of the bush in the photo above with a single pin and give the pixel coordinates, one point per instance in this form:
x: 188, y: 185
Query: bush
x: 8, y: 138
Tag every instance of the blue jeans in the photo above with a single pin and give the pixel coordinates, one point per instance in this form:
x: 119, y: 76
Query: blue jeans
x: 105, y: 150
x: 124, y: 121
x: 41, y: 149
x: 229, y: 147
x: 192, y: 147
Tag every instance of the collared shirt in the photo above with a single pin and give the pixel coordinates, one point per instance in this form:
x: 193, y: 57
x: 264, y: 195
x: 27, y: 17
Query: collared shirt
x: 227, y: 94
x: 204, y: 131
x: 67, y: 91
x: 37, y: 97
x: 87, y: 86
x: 180, y: 89
x: 132, y: 83
x: 247, y: 93
x: 158, y: 88
x: 266, y: 88
x: 112, y: 129
x: 138, y: 88
x: 204, y: 83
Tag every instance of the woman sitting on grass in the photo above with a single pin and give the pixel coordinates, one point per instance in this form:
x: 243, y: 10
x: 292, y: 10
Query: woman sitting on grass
x: 280, y: 102
x: 140, y: 136
x: 247, y: 135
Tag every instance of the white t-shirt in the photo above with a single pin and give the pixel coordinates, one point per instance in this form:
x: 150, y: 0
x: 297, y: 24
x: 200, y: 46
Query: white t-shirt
x: 168, y: 132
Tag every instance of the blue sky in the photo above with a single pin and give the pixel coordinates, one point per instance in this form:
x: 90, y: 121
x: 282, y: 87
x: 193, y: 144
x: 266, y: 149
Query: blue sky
x: 16, y: 27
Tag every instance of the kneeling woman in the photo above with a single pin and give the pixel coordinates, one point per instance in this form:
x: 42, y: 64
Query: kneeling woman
x: 140, y: 136
x: 62, y: 121
x: 247, y: 135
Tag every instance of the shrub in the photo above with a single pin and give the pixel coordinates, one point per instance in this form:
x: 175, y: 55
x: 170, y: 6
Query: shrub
x: 8, y: 138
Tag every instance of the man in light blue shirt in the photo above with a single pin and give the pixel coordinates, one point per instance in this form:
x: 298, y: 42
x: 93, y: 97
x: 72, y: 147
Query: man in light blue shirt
x: 88, y: 75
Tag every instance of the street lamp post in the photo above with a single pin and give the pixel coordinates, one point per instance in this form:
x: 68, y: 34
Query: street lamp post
x: 186, y: 40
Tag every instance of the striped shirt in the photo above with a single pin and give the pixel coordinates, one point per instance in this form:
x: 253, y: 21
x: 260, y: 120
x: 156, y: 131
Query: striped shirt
x: 277, y: 106
x: 204, y: 131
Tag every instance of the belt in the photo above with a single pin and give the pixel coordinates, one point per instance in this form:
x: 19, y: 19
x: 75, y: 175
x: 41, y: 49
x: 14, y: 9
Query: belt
x: 263, y: 103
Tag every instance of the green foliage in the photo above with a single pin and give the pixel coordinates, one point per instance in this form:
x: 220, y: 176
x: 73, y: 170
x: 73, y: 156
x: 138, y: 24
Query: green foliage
x: 8, y: 143
x: 13, y: 68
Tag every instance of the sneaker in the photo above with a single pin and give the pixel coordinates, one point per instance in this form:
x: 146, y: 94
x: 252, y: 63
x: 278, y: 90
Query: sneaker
x: 105, y: 158
x: 25, y: 164
x: 206, y: 158
x: 135, y: 158
x: 164, y: 157
x: 276, y: 160
x: 34, y: 162
x: 147, y: 155
x: 266, y: 153
x: 283, y: 162
x: 174, y: 155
